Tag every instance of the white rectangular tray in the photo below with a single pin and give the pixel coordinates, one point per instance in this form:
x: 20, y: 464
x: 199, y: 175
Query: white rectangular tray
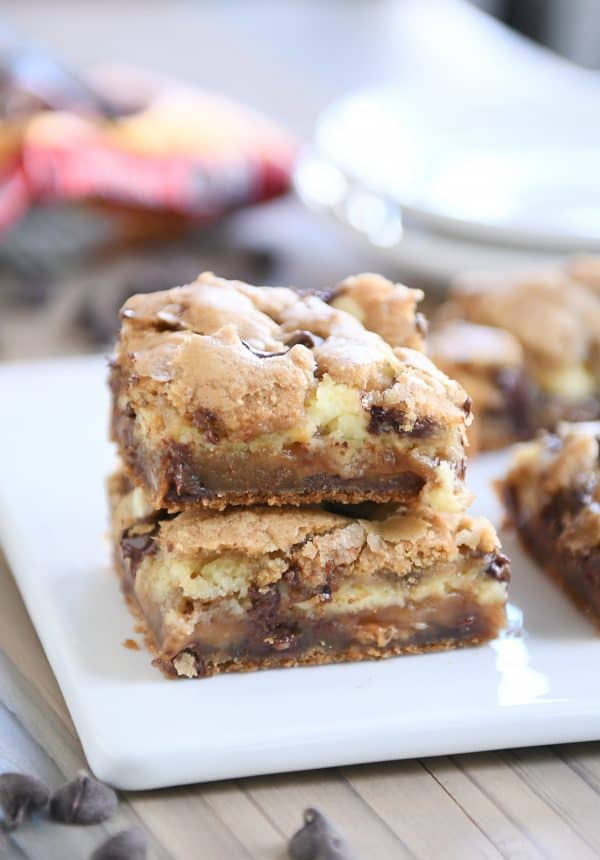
x: 142, y: 731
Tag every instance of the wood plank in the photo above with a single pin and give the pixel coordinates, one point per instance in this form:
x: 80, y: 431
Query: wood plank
x: 403, y: 794
x: 584, y: 759
x: 562, y: 788
x: 491, y: 820
x: 284, y: 797
x: 19, y: 751
x: 20, y: 643
x: 498, y: 777
x: 185, y: 826
x: 253, y: 827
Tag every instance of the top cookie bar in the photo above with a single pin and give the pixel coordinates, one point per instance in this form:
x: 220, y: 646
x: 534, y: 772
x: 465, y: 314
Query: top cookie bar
x: 228, y: 394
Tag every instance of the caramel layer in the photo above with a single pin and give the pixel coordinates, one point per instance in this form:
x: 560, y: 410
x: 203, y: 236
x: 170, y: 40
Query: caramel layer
x: 177, y: 475
x: 242, y: 644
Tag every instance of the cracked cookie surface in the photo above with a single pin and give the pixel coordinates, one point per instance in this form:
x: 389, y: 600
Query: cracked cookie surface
x: 225, y: 393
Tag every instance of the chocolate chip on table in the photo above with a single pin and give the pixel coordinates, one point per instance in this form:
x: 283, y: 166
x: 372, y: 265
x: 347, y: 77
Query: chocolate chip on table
x: 318, y: 840
x: 84, y: 800
x: 21, y: 795
x: 126, y: 845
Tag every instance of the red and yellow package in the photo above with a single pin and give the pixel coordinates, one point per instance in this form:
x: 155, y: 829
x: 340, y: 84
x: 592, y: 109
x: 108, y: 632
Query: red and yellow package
x: 14, y: 189
x: 185, y: 152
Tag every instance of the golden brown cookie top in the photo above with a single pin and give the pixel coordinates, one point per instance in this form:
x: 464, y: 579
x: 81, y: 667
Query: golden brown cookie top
x: 384, y: 307
x: 255, y: 355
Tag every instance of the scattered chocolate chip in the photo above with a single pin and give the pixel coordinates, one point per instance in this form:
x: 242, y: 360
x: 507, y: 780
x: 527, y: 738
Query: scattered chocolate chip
x: 318, y: 840
x: 84, y: 800
x: 468, y: 406
x: 21, y: 795
x: 126, y: 845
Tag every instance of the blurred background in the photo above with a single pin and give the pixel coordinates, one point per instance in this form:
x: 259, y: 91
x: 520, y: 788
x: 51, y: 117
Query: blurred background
x: 572, y: 28
x: 283, y: 142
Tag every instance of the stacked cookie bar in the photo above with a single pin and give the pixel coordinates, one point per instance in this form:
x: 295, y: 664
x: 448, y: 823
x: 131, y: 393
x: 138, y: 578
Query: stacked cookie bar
x: 292, y: 484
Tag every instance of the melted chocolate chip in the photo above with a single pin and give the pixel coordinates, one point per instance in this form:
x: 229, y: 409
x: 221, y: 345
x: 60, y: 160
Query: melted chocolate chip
x: 183, y: 485
x: 260, y: 354
x: 206, y: 421
x: 305, y: 338
x: 265, y: 606
x: 269, y: 629
x: 392, y: 421
x: 135, y: 547
x: 499, y: 568
x: 565, y: 503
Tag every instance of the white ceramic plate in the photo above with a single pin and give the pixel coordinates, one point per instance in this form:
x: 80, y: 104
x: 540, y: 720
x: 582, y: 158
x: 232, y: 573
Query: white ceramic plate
x: 141, y: 731
x: 447, y: 171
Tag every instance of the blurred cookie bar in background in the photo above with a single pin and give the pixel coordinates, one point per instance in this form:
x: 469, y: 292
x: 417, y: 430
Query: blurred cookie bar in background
x: 540, y: 331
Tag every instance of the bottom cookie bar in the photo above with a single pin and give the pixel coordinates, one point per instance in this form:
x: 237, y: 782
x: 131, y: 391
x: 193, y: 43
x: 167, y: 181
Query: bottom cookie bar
x: 264, y: 587
x: 552, y: 495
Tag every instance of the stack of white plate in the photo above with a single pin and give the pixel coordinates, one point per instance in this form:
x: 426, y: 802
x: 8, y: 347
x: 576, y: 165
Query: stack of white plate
x: 447, y: 172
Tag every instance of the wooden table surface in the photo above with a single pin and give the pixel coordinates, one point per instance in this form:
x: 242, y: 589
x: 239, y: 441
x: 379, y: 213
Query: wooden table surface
x: 529, y: 803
